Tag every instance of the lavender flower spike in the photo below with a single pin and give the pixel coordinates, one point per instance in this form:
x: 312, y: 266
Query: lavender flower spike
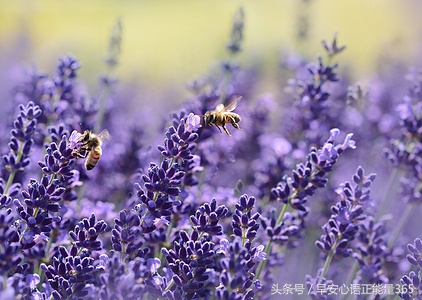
x: 412, y: 283
x: 332, y: 48
x: 21, y: 140
x: 306, y: 178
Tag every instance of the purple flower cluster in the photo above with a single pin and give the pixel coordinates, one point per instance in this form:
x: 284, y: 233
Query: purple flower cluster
x: 189, y: 213
x: 21, y: 141
x: 412, y: 283
x: 307, y: 178
x: 69, y: 274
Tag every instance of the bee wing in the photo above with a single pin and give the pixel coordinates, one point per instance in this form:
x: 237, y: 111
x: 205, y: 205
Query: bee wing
x: 104, y: 135
x: 232, y: 104
x: 220, y: 107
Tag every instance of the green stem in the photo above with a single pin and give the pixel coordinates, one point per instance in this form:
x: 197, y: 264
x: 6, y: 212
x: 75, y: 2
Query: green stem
x: 34, y: 214
x: 398, y: 228
x: 9, y: 181
x: 171, y: 161
x: 18, y: 160
x: 81, y: 193
x: 171, y: 283
x: 53, y: 176
x: 5, y: 281
x: 123, y: 252
x: 102, y: 108
x: 351, y: 276
x: 244, y: 230
x: 328, y: 261
x: 47, y: 250
x: 226, y: 79
x: 387, y: 198
x: 169, y: 229
x: 79, y: 251
x: 41, y: 274
x: 282, y: 213
x: 263, y: 263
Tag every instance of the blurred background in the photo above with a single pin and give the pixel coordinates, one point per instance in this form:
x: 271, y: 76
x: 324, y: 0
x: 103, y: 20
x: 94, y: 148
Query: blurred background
x: 167, y: 43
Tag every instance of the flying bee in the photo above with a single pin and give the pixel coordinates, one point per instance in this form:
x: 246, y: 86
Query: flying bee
x: 91, y: 147
x: 223, y: 115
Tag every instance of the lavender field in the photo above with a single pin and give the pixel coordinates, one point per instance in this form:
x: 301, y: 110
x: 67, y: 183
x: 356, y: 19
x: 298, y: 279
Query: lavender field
x: 316, y: 194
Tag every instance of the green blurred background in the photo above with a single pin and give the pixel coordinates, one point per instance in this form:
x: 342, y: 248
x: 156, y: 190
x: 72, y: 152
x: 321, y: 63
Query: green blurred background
x: 168, y: 42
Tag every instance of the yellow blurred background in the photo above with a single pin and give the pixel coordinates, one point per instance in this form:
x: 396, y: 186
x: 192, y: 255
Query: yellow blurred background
x: 168, y: 42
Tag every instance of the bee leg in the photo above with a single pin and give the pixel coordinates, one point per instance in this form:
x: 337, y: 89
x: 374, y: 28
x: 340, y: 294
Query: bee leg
x: 219, y: 128
x: 225, y: 129
x: 77, y: 153
x: 234, y: 124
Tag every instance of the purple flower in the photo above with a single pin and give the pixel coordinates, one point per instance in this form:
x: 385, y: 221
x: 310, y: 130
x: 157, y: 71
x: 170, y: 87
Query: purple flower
x: 245, y: 223
x: 236, y: 276
x: 32, y: 280
x: 75, y: 140
x: 161, y: 222
x: 189, y: 260
x: 372, y: 252
x: 412, y: 286
x: 21, y: 139
x: 415, y: 258
x: 207, y: 218
x: 165, y: 179
x: 153, y: 264
x: 332, y: 49
x: 67, y: 67
x: 259, y: 254
x: 147, y: 224
x: 327, y: 153
x: 10, y: 253
x: 343, y: 226
x: 37, y: 221
x: 177, y: 142
x: 69, y: 274
x: 348, y: 142
x: 43, y: 194
x: 193, y: 122
x: 128, y: 280
x: 126, y: 234
x: 333, y: 134
x: 306, y: 178
x: 86, y: 233
x: 58, y: 162
x: 312, y: 287
x: 224, y: 247
x: 236, y: 36
x: 358, y: 191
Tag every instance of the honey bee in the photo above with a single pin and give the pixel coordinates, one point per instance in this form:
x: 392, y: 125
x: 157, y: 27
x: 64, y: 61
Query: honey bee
x: 91, y: 147
x: 222, y: 115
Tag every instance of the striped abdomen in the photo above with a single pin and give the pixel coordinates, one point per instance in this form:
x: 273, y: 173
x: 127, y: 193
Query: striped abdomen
x: 93, y: 158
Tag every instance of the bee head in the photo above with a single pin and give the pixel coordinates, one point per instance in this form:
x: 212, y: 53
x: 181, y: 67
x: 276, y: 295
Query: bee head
x: 86, y: 136
x: 209, y: 118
